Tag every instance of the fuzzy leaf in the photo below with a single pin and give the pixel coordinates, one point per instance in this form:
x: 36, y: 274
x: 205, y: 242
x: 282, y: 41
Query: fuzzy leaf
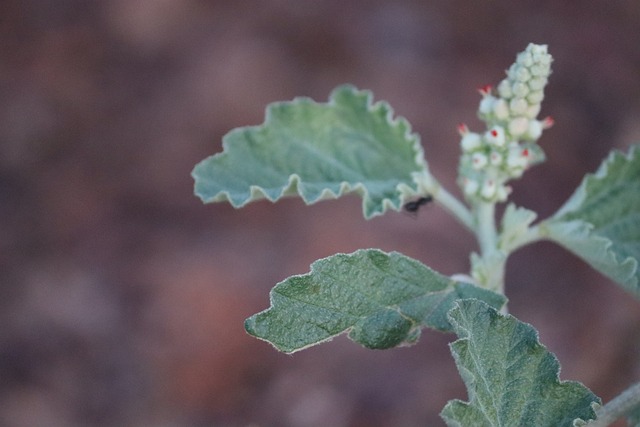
x: 633, y: 419
x: 601, y: 221
x: 382, y: 299
x: 511, y: 379
x: 515, y: 224
x: 317, y: 151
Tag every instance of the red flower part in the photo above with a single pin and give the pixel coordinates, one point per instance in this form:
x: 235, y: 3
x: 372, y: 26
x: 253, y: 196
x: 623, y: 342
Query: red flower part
x: 463, y: 129
x: 494, y: 133
x: 525, y: 152
x: 485, y: 90
x: 547, y: 122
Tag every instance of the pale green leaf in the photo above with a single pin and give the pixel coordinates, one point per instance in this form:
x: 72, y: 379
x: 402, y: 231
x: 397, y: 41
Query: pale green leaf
x: 317, y: 151
x: 633, y: 418
x: 514, y: 226
x: 511, y: 379
x: 601, y: 221
x: 382, y: 299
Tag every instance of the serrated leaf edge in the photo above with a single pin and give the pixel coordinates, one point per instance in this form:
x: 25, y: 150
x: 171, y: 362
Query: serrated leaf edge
x: 451, y: 286
x: 457, y: 326
x: 579, y: 195
x: 294, y: 182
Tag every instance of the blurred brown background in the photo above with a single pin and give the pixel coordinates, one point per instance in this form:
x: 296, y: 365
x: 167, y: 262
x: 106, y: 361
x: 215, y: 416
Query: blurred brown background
x: 122, y: 297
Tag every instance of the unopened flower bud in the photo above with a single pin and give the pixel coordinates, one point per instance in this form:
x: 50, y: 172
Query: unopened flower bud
x: 501, y: 109
x: 503, y: 192
x: 534, y: 131
x: 525, y: 59
x: 470, y: 186
x: 518, y: 106
x: 470, y: 141
x: 520, y: 89
x: 537, y: 83
x: 535, y: 97
x: 532, y: 111
x: 486, y: 105
x: 488, y: 189
x: 518, y: 126
x: 522, y: 74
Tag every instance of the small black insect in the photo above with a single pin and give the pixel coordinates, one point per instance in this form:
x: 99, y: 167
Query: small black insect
x: 414, y: 205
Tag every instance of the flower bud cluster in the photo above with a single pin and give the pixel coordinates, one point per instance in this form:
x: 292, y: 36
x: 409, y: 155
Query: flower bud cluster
x: 508, y: 146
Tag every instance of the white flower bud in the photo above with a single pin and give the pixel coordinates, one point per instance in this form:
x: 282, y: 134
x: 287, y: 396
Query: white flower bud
x: 486, y: 105
x: 537, y: 83
x: 503, y: 192
x: 495, y: 136
x: 532, y: 111
x: 470, y: 186
x: 501, y: 110
x: 537, y: 70
x: 470, y: 141
x: 522, y: 74
x: 525, y: 59
x: 488, y: 189
x: 504, y: 89
x: 518, y: 126
x: 535, y: 130
x: 535, y: 97
x: 520, y: 89
x: 518, y: 106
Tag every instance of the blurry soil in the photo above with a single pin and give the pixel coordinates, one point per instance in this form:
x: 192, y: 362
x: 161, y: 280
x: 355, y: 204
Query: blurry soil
x: 122, y: 297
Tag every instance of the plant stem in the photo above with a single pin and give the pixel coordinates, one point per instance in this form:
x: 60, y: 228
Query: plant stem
x: 493, y: 259
x: 618, y: 407
x: 486, y: 228
x: 454, y: 206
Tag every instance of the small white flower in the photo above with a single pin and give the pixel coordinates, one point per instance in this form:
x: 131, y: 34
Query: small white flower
x: 495, y: 136
x: 478, y: 160
x: 495, y: 158
x: 518, y: 158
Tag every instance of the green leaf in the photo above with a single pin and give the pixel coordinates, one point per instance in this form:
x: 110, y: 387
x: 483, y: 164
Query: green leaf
x: 511, y: 378
x: 383, y: 299
x: 514, y: 226
x: 601, y: 221
x: 317, y: 151
x: 633, y: 419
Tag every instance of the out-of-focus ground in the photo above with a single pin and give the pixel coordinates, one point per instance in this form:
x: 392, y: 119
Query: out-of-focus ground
x: 122, y: 297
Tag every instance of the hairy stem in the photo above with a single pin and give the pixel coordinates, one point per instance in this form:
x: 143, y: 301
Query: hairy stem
x: 454, y: 206
x: 618, y: 407
x: 430, y: 185
x: 486, y: 228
